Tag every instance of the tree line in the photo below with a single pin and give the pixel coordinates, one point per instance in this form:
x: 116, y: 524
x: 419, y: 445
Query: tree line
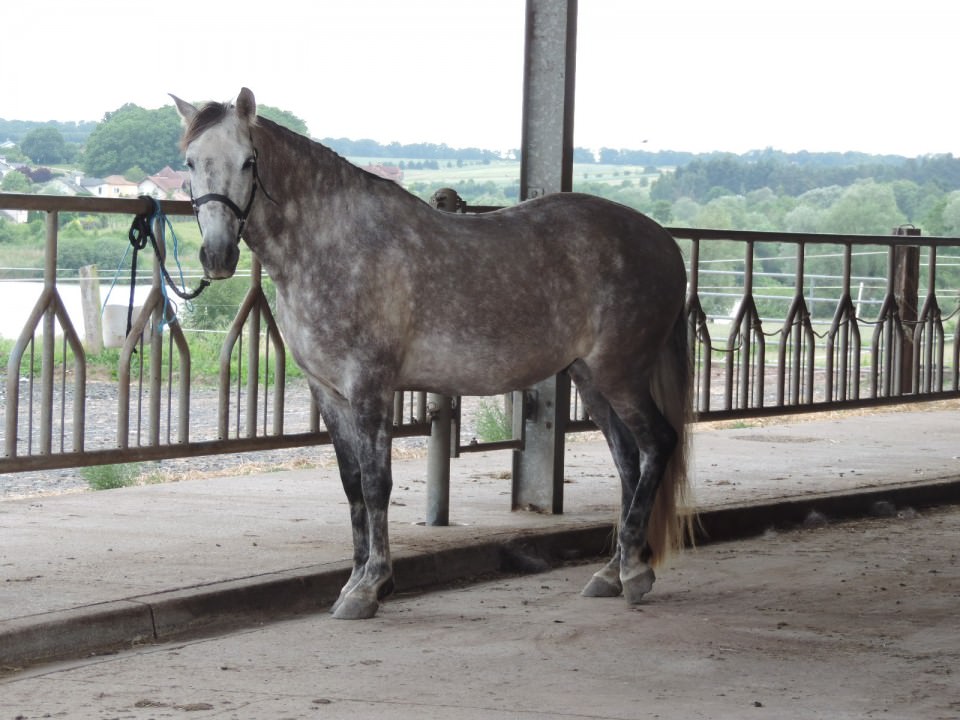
x: 366, y: 148
x: 727, y: 174
x: 764, y: 190
x: 129, y: 140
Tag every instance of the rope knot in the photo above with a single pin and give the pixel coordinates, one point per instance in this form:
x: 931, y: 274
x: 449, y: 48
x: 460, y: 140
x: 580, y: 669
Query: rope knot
x: 141, y: 233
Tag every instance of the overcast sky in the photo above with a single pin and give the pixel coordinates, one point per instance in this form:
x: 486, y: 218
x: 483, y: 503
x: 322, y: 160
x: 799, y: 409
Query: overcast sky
x: 695, y: 75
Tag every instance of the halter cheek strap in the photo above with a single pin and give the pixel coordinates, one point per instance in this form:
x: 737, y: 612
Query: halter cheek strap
x: 241, y: 215
x: 217, y: 197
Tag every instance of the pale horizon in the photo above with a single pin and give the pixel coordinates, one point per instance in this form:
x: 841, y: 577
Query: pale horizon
x: 693, y: 76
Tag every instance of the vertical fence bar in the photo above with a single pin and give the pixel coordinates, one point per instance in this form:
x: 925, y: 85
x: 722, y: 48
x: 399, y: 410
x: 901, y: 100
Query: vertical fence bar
x: 155, y: 333
x: 698, y: 335
x: 847, y: 355
x: 253, y: 357
x: 745, y: 347
x: 48, y: 333
x: 928, y: 336
x: 887, y: 340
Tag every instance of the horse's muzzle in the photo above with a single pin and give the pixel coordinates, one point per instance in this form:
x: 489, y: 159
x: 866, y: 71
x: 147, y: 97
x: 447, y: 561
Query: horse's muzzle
x: 219, y: 262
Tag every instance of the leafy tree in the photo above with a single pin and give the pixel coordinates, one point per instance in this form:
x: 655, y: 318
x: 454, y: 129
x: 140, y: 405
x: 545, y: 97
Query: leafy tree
x: 283, y: 117
x: 719, y: 213
x: 75, y: 249
x: 662, y: 212
x: 45, y: 145
x: 133, y: 136
x: 582, y: 155
x: 951, y: 215
x: 15, y: 182
x: 684, y: 211
x: 865, y: 208
x: 14, y: 155
x: 135, y: 174
x: 804, y: 219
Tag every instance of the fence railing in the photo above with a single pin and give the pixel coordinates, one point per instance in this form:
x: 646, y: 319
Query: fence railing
x: 843, y: 356
x: 758, y: 349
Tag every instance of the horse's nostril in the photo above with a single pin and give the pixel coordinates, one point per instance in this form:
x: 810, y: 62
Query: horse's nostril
x: 219, y: 261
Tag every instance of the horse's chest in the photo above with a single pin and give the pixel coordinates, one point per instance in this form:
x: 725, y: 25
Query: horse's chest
x: 325, y: 338
x: 312, y: 337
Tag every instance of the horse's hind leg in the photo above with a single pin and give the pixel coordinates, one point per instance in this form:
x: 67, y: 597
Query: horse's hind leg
x: 641, y: 441
x: 623, y: 447
x: 656, y: 440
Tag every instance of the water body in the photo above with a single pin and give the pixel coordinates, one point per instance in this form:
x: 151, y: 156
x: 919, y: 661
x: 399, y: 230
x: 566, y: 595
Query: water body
x: 18, y: 298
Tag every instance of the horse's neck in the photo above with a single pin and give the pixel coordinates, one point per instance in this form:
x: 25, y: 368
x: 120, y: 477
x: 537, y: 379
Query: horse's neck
x: 318, y: 198
x: 297, y: 176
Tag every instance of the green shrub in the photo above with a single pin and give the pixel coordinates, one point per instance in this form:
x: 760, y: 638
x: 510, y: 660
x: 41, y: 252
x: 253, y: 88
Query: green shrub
x: 109, y: 477
x: 493, y: 425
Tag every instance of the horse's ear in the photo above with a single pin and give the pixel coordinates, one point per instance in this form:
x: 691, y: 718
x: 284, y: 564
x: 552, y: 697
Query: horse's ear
x: 246, y: 105
x: 186, y: 110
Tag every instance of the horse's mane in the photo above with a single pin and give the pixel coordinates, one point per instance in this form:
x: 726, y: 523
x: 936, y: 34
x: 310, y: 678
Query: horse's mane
x: 304, y: 145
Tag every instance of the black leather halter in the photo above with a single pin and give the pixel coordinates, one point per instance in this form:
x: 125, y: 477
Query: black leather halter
x: 241, y: 215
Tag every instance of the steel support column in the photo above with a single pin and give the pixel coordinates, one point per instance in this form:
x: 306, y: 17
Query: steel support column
x: 546, y: 167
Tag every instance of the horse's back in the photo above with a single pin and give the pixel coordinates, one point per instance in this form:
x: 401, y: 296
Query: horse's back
x: 590, y: 227
x: 520, y: 293
x: 592, y: 250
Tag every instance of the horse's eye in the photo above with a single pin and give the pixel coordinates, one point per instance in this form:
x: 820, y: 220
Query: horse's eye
x: 190, y: 164
x: 248, y: 163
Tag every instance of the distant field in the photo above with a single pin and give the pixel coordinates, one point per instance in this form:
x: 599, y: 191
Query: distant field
x: 504, y: 172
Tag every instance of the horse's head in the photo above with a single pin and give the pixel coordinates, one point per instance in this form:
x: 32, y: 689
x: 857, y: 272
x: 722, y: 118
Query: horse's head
x: 221, y: 158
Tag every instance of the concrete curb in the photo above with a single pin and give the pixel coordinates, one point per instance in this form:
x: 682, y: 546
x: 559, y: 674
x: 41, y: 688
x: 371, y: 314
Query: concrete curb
x: 219, y: 607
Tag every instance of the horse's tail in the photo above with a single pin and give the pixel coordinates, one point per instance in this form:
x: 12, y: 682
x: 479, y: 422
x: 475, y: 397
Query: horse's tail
x: 671, y: 520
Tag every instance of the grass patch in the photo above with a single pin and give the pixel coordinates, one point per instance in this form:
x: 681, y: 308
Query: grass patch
x: 493, y: 425
x: 110, y: 477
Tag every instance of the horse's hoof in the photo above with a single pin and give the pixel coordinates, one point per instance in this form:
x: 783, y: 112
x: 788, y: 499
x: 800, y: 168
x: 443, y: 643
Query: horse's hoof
x: 351, y: 608
x: 601, y: 587
x: 638, y: 585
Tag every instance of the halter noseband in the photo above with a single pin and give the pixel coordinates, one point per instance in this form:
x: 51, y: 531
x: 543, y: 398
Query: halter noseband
x: 241, y: 215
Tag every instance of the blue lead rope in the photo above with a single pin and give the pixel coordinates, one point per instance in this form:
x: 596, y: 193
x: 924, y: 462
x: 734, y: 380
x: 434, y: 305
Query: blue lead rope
x: 141, y: 232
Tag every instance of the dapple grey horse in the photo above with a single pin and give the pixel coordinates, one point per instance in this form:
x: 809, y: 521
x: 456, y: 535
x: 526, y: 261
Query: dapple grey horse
x: 378, y: 291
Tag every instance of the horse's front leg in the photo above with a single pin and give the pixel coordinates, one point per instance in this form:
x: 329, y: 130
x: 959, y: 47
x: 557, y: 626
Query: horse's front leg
x: 342, y: 425
x: 372, y: 576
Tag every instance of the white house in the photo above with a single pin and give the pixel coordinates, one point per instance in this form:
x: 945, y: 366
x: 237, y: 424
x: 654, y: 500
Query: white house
x: 168, y: 184
x: 114, y: 186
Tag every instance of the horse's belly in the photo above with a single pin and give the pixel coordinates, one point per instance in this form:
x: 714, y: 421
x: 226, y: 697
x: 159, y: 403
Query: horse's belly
x: 478, y: 369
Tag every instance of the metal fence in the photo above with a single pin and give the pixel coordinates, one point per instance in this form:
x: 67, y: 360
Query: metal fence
x: 834, y: 340
x: 841, y: 336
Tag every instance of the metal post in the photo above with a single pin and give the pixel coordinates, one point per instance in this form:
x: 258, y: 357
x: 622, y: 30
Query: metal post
x: 906, y: 292
x: 49, y: 335
x: 438, y: 460
x: 90, y: 302
x: 546, y: 166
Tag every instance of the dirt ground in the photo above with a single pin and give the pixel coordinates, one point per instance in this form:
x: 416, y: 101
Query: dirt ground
x: 849, y: 620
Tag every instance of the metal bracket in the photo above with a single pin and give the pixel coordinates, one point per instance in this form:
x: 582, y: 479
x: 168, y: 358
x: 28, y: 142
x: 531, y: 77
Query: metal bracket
x: 530, y: 404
